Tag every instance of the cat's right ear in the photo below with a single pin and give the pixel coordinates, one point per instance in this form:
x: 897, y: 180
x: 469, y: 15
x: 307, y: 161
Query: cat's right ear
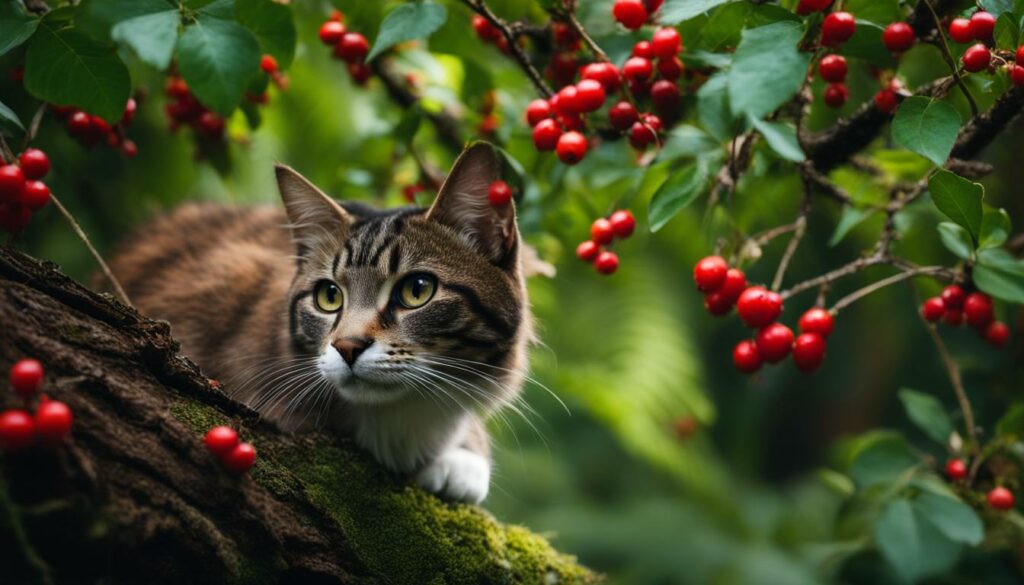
x: 313, y: 215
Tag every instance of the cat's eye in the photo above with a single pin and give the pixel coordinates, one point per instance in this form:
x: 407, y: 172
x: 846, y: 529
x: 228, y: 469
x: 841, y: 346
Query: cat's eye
x: 328, y: 296
x: 415, y: 290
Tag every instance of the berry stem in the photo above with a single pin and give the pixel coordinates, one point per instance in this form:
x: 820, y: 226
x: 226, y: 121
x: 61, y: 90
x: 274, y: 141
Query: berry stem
x: 33, y: 127
x: 481, y: 8
x: 800, y: 227
x: 118, y: 290
x: 938, y: 271
x: 958, y: 387
x: 943, y: 45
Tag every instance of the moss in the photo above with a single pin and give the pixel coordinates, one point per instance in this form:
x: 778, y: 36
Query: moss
x: 199, y: 417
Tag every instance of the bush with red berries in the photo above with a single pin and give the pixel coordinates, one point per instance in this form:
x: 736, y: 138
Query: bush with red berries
x: 21, y: 429
x: 348, y: 46
x: 22, y: 191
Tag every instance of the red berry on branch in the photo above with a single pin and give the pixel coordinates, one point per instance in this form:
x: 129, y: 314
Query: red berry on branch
x: 99, y: 125
x: 623, y: 223
x: 567, y: 102
x: 666, y: 43
x: 601, y: 231
x: 352, y: 48
x: 953, y: 297
x: 239, y: 459
x: 605, y: 73
x: 1020, y: 55
x: 1000, y: 498
x: 34, y: 163
x: 641, y: 135
x: 499, y: 193
x: 718, y: 304
x: 887, y: 100
x: 221, y: 440
x: 211, y: 124
x: 35, y: 195
x: 653, y: 5
x: 709, y: 273
x: 360, y: 72
x: 832, y: 68
x: 983, y: 25
x: 933, y: 309
x: 774, y: 342
x: 808, y: 352
x: 12, y: 181
x: 129, y: 148
x: 1017, y: 75
x: 956, y: 469
x: 631, y: 14
x: 588, y: 251
x: 590, y: 95
x: 79, y: 123
x: 336, y: 16
x: 997, y: 334
x: 484, y: 29
x: 17, y: 430
x: 565, y: 36
x: 898, y: 37
x: 758, y: 307
x: 809, y: 6
x: 331, y: 32
x: 53, y: 422
x: 643, y: 49
x: 836, y: 95
x: 622, y: 115
x: 606, y: 263
x: 960, y: 30
x: 665, y: 96
x: 637, y: 68
x: 978, y: 310
x: 977, y: 58
x: 130, y: 107
x: 817, y: 320
x: 746, y: 357
x: 837, y: 28
x: 546, y: 134
x: 26, y: 377
x: 670, y: 68
x: 571, y: 147
x: 268, y: 64
x: 730, y: 290
x: 954, y: 317
x: 537, y: 110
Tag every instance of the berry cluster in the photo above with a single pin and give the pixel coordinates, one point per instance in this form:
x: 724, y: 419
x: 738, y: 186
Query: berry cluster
x: 233, y: 455
x: 488, y: 33
x: 21, y: 190
x: 52, y: 421
x: 349, y: 46
x: 998, y: 498
x: 184, y: 109
x: 955, y: 307
x: 633, y: 14
x: 92, y: 130
x: 489, y: 122
x: 603, y: 232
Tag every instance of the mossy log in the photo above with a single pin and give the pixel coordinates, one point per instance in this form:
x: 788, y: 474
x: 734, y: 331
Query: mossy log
x: 134, y: 497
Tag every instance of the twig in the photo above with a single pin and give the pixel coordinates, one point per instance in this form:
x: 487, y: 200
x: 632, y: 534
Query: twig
x: 876, y: 286
x: 823, y: 183
x: 944, y: 48
x: 481, y: 8
x: 118, y: 290
x: 794, y: 242
x: 33, y: 127
x: 958, y: 387
x: 833, y: 275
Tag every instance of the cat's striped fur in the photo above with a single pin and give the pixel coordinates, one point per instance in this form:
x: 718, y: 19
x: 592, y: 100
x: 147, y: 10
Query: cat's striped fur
x: 239, y: 287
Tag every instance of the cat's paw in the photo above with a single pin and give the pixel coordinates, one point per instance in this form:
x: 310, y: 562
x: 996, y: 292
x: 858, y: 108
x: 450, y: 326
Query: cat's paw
x: 457, y: 474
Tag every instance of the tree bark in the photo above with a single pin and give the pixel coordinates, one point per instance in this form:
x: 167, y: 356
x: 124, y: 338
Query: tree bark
x: 134, y: 497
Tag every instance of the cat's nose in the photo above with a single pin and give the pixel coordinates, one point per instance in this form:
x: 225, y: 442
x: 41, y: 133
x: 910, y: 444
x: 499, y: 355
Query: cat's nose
x: 351, y: 348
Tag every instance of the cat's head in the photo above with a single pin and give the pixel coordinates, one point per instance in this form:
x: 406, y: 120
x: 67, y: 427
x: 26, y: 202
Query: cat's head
x: 411, y: 302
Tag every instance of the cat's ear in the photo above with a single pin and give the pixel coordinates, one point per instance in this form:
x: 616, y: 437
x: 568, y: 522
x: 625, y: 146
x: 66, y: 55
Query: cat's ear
x: 312, y: 214
x: 462, y: 205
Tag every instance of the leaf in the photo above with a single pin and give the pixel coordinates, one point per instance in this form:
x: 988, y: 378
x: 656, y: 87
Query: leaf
x: 927, y: 127
x: 152, y: 36
x: 881, y: 458
x: 995, y: 228
x: 675, y: 11
x: 217, y: 58
x: 679, y: 190
x: 959, y: 199
x: 65, y: 67
x: 851, y: 217
x: 16, y: 26
x: 1000, y: 275
x: 8, y: 115
x: 911, y: 544
x: 1012, y: 423
x: 997, y: 7
x: 415, y: 20
x: 406, y: 128
x: 1006, y: 32
x: 713, y: 107
x: 781, y: 138
x: 273, y: 26
x: 866, y: 44
x: 686, y: 141
x: 928, y: 414
x: 767, y: 69
x: 954, y: 519
x: 956, y: 239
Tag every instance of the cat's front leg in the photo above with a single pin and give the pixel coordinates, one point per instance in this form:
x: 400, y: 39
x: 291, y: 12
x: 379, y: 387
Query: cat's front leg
x: 461, y: 472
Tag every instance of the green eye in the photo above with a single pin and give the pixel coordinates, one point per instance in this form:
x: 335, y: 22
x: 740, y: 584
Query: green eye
x: 415, y: 290
x: 328, y: 297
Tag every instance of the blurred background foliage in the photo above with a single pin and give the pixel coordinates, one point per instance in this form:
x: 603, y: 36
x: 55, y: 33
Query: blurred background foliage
x: 665, y: 465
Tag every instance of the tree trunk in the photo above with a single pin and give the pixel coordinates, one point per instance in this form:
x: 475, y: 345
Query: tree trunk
x: 134, y: 497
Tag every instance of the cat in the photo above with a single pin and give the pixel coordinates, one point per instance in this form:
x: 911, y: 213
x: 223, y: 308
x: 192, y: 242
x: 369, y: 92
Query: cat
x: 403, y: 328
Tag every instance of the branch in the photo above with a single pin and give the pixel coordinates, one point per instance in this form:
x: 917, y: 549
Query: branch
x: 958, y: 387
x: 948, y: 57
x: 481, y: 8
x: 983, y: 129
x: 118, y: 290
x: 879, y: 285
x: 446, y: 124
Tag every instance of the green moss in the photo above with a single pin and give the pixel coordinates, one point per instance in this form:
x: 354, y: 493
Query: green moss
x: 199, y: 417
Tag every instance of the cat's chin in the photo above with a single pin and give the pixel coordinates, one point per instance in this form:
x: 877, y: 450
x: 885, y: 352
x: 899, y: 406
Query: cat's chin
x: 366, y: 392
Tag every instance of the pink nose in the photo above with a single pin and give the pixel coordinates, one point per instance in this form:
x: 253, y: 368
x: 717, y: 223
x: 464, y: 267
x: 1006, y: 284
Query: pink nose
x: 351, y: 348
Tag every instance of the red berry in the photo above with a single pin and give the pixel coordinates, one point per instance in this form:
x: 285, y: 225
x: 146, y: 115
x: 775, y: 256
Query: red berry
x: 953, y: 297
x: 587, y: 251
x: 605, y: 73
x: 809, y: 6
x: 129, y: 148
x: 836, y: 95
x: 14, y: 217
x: 537, y: 110
x: 665, y: 95
x: 722, y: 300
x: 653, y: 5
x: 652, y: 121
x: 336, y: 15
x: 601, y: 231
x: 976, y: 58
x: 499, y: 193
x: 758, y: 307
x: 239, y: 459
x: 666, y: 43
x: 643, y: 49
x: 631, y: 14
x: 817, y: 320
x: 484, y: 29
x: 774, y: 342
x: 670, y: 68
x: 718, y: 304
x: 331, y: 32
x: 978, y: 310
x: 590, y: 95
x: 546, y: 135
x: 956, y: 469
x: 211, y: 124
x: 1020, y: 55
x: 53, y: 421
x: 960, y: 30
x: 26, y: 377
x: 954, y: 317
x: 79, y: 123
x: 220, y: 440
x: 832, y: 68
x: 887, y: 100
x: 997, y: 334
x: 623, y: 223
x: 562, y: 68
x: 34, y: 163
x: 1000, y: 498
x: 360, y: 72
x: 983, y: 25
x: 837, y: 28
x: 565, y: 36
x: 746, y: 357
x: 17, y: 430
x: 637, y: 68
x: 99, y: 125
x: 622, y: 115
x: 268, y: 64
x: 898, y: 37
x: 641, y: 135
x: 606, y: 263
x: 12, y: 181
x: 177, y: 88
x: 709, y: 273
x: 571, y: 147
x: 566, y: 101
x: 808, y: 351
x: 130, y: 107
x: 1017, y: 75
x: 352, y: 48
x: 933, y: 309
x: 35, y: 195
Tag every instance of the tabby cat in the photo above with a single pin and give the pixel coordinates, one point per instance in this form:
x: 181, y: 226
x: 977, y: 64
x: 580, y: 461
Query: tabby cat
x: 402, y: 328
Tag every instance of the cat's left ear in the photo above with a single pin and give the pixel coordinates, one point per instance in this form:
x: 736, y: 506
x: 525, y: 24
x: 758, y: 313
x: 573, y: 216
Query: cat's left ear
x: 462, y: 205
x: 313, y: 215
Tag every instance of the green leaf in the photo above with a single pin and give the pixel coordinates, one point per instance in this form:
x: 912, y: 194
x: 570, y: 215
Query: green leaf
x: 151, y: 36
x: 954, y: 519
x: 8, y: 115
x: 959, y: 199
x: 675, y: 11
x: 926, y: 126
x: 928, y: 414
x: 956, y: 239
x: 1012, y: 423
x: 995, y: 228
x: 686, y: 141
x: 881, y: 458
x: 679, y: 190
x: 867, y: 44
x: 1000, y: 274
x: 16, y: 25
x: 713, y: 107
x: 913, y: 546
x: 851, y: 217
x: 217, y: 58
x: 273, y: 26
x: 1007, y: 32
x: 65, y: 67
x: 415, y: 20
x: 997, y: 7
x: 406, y: 128
x: 767, y: 69
x: 781, y: 138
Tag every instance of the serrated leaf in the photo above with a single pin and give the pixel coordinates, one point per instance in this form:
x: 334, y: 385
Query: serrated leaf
x: 927, y: 414
x: 913, y: 546
x: 8, y: 115
x: 152, y: 36
x: 675, y: 11
x: 926, y: 126
x: 995, y: 228
x: 217, y: 58
x: 959, y: 200
x: 781, y: 138
x: 415, y: 20
x: 767, y: 69
x: 999, y: 274
x: 956, y: 239
x: 65, y: 67
x: 954, y: 519
x: 16, y: 25
x: 273, y: 26
x: 678, y: 191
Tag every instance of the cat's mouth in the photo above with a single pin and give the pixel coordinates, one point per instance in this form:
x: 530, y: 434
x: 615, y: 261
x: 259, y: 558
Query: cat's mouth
x: 365, y: 382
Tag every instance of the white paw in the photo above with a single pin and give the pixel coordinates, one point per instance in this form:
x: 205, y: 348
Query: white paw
x: 457, y: 474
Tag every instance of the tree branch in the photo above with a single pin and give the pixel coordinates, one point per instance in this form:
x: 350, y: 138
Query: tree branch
x: 481, y: 8
x: 953, y: 370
